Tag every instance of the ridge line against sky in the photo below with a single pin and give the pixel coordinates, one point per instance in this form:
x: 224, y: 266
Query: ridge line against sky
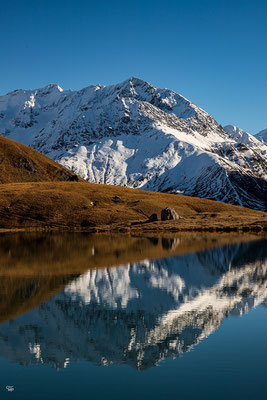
x: 213, y: 53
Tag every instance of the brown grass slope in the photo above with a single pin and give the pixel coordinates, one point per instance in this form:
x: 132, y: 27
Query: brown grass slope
x: 82, y: 205
x: 20, y: 163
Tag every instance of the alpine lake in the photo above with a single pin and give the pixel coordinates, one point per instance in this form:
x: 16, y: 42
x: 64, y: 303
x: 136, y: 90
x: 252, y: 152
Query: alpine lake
x: 90, y: 316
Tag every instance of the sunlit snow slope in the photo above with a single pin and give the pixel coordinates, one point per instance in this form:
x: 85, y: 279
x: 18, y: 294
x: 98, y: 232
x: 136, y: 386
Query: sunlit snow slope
x: 134, y: 134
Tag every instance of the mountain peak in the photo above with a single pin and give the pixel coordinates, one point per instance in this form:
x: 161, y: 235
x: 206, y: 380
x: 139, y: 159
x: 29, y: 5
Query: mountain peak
x: 137, y: 81
x: 52, y: 87
x: 135, y: 85
x: 241, y: 136
x: 232, y: 129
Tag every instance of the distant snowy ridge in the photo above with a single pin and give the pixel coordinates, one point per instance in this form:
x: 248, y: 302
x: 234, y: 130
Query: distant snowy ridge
x: 262, y: 136
x: 134, y: 134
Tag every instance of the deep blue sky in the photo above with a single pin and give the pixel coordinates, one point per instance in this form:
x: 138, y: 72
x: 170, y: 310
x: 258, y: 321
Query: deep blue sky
x: 213, y: 52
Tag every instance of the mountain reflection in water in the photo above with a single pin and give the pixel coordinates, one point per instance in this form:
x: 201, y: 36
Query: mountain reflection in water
x: 139, y: 313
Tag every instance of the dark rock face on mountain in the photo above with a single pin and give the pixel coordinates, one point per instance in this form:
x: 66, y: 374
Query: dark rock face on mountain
x: 141, y: 313
x: 134, y: 134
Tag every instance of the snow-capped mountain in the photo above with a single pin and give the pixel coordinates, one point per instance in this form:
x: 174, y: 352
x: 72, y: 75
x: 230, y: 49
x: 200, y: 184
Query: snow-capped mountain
x: 138, y: 314
x: 242, y: 137
x: 134, y: 134
x: 262, y: 136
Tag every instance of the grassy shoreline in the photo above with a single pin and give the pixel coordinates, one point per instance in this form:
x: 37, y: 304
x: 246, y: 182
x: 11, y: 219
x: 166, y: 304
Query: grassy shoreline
x: 83, y: 206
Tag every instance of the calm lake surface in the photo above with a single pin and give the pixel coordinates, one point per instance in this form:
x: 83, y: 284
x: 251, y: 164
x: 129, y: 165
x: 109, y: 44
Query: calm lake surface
x: 99, y: 317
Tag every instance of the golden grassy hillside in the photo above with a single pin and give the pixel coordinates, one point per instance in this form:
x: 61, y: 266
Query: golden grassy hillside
x: 20, y: 163
x: 82, y: 205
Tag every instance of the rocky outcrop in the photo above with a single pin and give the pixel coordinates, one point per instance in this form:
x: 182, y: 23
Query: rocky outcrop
x: 169, y: 214
x: 153, y: 217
